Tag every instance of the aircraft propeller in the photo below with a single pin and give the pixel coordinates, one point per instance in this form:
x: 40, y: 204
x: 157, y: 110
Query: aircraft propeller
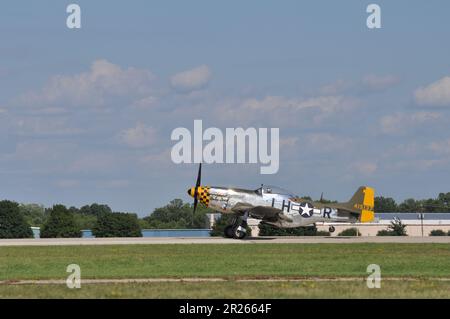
x: 197, y: 185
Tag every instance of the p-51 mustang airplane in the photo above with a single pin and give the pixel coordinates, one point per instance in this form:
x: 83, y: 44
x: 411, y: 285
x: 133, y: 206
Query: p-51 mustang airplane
x: 279, y: 208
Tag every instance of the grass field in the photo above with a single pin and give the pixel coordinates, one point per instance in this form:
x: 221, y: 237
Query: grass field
x: 420, y: 261
x: 263, y: 290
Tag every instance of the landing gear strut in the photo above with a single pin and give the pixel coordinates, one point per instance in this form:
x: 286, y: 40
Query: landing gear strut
x: 238, y: 228
x: 331, y: 229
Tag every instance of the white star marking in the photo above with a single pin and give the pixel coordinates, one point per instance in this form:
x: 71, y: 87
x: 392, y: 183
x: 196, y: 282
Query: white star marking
x: 307, y: 211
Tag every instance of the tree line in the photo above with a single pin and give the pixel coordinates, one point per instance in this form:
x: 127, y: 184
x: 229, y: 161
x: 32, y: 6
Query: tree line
x: 59, y: 221
x: 441, y: 204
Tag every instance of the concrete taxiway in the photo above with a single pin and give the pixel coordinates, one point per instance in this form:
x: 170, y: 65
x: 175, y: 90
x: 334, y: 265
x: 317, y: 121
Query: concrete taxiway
x: 218, y: 240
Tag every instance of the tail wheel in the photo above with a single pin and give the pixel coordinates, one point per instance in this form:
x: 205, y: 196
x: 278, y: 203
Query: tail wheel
x: 331, y: 229
x: 229, y: 232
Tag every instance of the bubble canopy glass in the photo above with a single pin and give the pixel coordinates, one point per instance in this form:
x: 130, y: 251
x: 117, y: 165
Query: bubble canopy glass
x: 270, y: 189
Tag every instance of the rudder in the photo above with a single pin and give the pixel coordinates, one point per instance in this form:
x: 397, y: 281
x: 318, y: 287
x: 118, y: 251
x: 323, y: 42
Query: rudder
x: 363, y: 202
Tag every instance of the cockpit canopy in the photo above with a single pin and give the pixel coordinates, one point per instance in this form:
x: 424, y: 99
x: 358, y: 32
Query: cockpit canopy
x: 270, y: 189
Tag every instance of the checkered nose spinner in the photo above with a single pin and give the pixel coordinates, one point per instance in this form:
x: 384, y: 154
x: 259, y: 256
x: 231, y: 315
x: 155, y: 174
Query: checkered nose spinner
x: 202, y: 194
x: 199, y: 192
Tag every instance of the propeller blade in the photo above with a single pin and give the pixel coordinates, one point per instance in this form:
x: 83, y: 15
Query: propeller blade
x: 197, y: 185
x: 195, y: 208
x: 199, y: 176
x: 321, y: 198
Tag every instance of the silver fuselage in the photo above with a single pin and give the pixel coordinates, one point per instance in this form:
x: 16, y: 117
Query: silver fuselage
x: 298, y: 212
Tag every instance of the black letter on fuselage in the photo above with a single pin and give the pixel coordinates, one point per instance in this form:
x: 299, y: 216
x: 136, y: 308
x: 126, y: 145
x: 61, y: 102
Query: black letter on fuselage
x: 326, y: 212
x: 288, y: 206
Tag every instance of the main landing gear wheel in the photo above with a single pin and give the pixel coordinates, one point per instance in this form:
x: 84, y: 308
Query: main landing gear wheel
x: 237, y: 230
x: 331, y: 229
x: 240, y: 232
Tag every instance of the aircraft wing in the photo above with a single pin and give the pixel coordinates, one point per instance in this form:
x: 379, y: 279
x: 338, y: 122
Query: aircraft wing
x: 261, y: 212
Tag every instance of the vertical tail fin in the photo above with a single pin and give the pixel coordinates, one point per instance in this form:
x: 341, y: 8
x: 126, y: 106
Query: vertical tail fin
x: 362, y: 202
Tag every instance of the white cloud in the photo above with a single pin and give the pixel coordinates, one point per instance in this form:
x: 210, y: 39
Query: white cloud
x: 145, y: 103
x: 415, y: 165
x: 54, y: 126
x: 67, y: 183
x: 408, y: 149
x: 157, y: 158
x: 94, y: 163
x: 115, y: 183
x: 104, y: 80
x: 39, y: 150
x: 441, y: 147
x: 435, y: 94
x: 277, y: 111
x: 41, y: 156
x: 282, y: 111
x: 288, y: 142
x: 138, y: 136
x: 369, y: 83
x: 400, y: 122
x: 315, y: 144
x: 324, y: 103
x: 366, y: 168
x: 191, y: 80
x: 379, y: 83
x: 336, y: 87
x: 327, y: 142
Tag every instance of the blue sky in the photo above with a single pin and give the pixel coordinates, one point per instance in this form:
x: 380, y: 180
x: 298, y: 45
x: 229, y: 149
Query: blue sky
x: 86, y: 115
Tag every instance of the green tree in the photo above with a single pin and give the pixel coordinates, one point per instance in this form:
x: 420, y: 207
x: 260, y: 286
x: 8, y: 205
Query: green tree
x: 219, y: 226
x: 350, y: 232
x: 85, y: 221
x: 385, y: 205
x: 438, y: 232
x: 34, y: 214
x: 117, y: 225
x: 384, y: 232
x: 12, y: 222
x: 396, y: 228
x: 410, y: 206
x: 87, y: 215
x: 60, y: 224
x: 444, y: 202
x: 95, y: 209
x: 444, y: 197
x: 269, y: 230
x: 178, y: 215
x: 430, y: 205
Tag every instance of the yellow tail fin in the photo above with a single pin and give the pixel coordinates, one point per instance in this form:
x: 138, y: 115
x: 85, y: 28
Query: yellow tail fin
x: 363, y: 203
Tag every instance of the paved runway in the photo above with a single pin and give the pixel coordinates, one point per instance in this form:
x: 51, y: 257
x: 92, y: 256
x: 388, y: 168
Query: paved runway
x: 218, y: 240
